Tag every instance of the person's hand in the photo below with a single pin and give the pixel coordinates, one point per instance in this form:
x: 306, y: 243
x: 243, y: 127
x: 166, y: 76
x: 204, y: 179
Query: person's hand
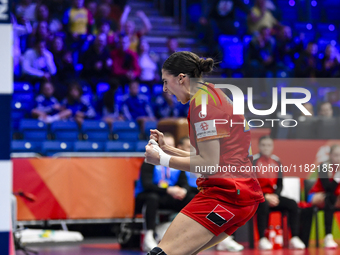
x: 140, y: 14
x: 47, y: 76
x: 272, y: 199
x: 80, y: 114
x: 130, y: 75
x: 177, y: 192
x: 57, y: 107
x: 98, y: 65
x: 158, y: 137
x: 151, y: 155
x: 109, y: 62
x: 127, y: 8
x: 203, y: 21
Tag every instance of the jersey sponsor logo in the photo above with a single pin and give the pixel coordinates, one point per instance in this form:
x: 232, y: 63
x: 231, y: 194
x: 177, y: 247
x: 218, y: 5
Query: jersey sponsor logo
x: 205, y: 129
x: 220, y: 215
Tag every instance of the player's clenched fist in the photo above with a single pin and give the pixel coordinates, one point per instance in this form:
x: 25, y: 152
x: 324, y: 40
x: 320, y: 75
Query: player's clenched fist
x: 157, y: 136
x: 151, y: 155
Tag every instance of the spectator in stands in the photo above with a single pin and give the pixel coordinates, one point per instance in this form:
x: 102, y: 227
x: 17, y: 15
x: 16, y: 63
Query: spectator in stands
x: 325, y: 193
x: 47, y: 107
x: 287, y: 47
x: 25, y: 11
x: 111, y: 109
x: 160, y: 187
x: 78, y: 23
x: 81, y: 109
x: 307, y: 65
x: 97, y: 63
x: 147, y: 64
x: 271, y: 184
x: 104, y: 27
x: 136, y: 106
x: 260, y: 17
x: 63, y: 60
x: 41, y: 32
x: 325, y: 110
x: 18, y: 31
x: 261, y: 54
x: 172, y: 47
x: 42, y: 14
x: 92, y: 7
x: 38, y: 63
x: 330, y: 63
x: 103, y: 13
x: 125, y: 65
x: 164, y: 106
x: 56, y: 8
x: 129, y: 27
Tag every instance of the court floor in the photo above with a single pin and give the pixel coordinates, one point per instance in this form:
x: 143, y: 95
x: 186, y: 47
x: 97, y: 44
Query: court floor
x: 97, y: 247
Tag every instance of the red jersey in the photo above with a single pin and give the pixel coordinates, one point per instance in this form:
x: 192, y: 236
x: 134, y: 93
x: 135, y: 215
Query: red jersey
x: 319, y: 187
x: 240, y: 188
x: 268, y: 180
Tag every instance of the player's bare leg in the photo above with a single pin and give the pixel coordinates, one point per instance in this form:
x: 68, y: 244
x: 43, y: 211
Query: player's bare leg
x: 185, y: 236
x: 215, y: 240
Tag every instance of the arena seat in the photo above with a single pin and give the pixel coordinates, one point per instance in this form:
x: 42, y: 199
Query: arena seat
x: 140, y: 146
x: 232, y: 48
x: 22, y: 87
x: 25, y: 146
x: 125, y: 130
x: 86, y: 146
x: 51, y: 147
x: 95, y: 130
x: 115, y: 146
x: 147, y: 126
x: 33, y: 129
x: 65, y: 130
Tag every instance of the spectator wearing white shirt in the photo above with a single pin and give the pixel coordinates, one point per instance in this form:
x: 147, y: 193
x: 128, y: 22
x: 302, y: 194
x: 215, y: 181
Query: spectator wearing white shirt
x: 147, y: 64
x: 38, y: 63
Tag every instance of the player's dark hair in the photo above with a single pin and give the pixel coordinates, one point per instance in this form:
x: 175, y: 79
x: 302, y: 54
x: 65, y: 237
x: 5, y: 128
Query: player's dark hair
x: 188, y: 63
x: 43, y: 84
x: 167, y: 134
x: 264, y: 138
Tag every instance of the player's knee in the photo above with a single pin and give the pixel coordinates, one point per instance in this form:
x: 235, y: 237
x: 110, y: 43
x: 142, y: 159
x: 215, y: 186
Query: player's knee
x: 156, y: 251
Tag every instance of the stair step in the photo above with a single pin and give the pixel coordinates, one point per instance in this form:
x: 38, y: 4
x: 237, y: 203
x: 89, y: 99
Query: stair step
x: 167, y: 33
x: 181, y: 40
x: 156, y: 20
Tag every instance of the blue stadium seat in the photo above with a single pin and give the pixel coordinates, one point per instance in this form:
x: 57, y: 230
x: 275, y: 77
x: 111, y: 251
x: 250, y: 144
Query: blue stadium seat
x: 65, y: 130
x: 114, y: 146
x: 144, y: 89
x: 126, y: 136
x: 289, y: 10
x: 17, y: 116
x: 51, y: 147
x: 308, y: 29
x: 85, y: 146
x: 25, y: 146
x: 22, y: 87
x: 140, y: 146
x: 33, y: 129
x: 328, y: 31
x: 232, y: 48
x: 323, y: 43
x: 125, y: 126
x: 95, y: 130
x: 149, y: 125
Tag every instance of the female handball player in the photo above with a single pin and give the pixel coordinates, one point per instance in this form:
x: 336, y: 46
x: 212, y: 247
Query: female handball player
x: 227, y: 199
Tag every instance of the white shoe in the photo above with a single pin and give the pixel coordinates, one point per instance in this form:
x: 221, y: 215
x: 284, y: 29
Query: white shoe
x: 296, y: 243
x: 149, y: 241
x: 264, y: 244
x: 329, y: 242
x: 229, y: 244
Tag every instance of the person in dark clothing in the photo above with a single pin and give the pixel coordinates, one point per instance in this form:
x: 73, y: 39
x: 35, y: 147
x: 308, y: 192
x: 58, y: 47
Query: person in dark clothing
x: 97, y: 62
x: 330, y: 64
x: 80, y: 108
x: 271, y: 184
x: 219, y: 18
x: 287, y: 47
x: 325, y: 193
x: 261, y: 54
x: 308, y: 64
x: 160, y: 188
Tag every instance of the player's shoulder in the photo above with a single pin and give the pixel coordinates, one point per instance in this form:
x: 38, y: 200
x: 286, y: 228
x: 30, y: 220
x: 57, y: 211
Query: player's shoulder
x: 276, y: 158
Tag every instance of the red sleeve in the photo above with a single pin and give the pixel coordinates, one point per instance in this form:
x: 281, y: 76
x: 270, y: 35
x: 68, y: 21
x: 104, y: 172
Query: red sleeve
x: 117, y: 64
x: 89, y: 18
x: 208, y: 128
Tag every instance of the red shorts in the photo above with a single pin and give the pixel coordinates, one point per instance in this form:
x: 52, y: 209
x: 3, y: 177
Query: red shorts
x: 218, y: 216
